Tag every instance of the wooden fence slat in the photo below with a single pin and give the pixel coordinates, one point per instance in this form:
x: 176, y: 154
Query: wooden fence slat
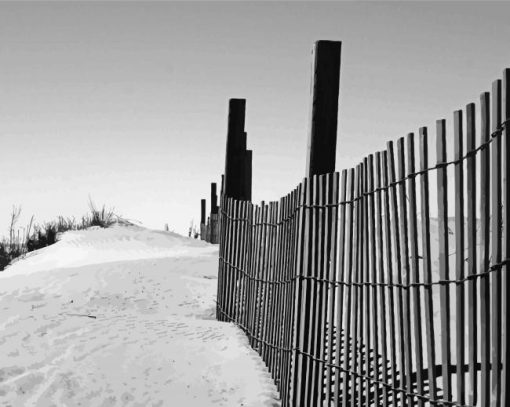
x: 323, y: 286
x: 224, y: 269
x: 246, y: 258
x: 357, y: 345
x: 250, y: 265
x: 228, y: 258
x: 505, y: 399
x: 279, y: 306
x: 312, y: 312
x: 392, y: 312
x: 318, y: 292
x: 256, y: 232
x: 404, y: 240
x: 288, y: 332
x: 221, y: 252
x: 304, y: 298
x: 375, y: 364
x: 233, y: 261
x: 294, y: 300
x: 365, y: 337
x: 458, y: 143
x: 427, y: 264
x: 269, y: 276
x: 234, y: 257
x: 241, y: 263
x: 272, y: 312
x: 395, y: 223
x: 260, y: 275
x: 279, y: 256
x: 338, y: 304
x: 282, y: 306
x: 296, y: 363
x: 379, y: 235
x: 471, y: 255
x: 496, y: 219
x: 443, y: 231
x: 331, y: 264
x: 485, y: 251
x: 238, y: 263
x: 348, y: 342
x: 415, y: 267
x: 286, y: 327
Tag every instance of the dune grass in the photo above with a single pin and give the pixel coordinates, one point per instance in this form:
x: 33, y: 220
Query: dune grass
x: 36, y: 236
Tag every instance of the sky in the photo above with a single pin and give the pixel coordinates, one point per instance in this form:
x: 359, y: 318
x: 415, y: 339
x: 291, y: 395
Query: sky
x: 126, y: 102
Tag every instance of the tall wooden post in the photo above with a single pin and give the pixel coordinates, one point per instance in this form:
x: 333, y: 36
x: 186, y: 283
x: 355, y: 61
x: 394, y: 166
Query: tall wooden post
x: 214, y: 198
x: 324, y: 108
x: 202, y: 219
x: 214, y: 214
x: 236, y: 147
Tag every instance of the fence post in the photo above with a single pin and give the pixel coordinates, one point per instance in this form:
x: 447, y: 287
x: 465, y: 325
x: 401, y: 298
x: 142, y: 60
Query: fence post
x: 214, y: 214
x: 324, y: 108
x: 202, y: 220
x: 236, y: 150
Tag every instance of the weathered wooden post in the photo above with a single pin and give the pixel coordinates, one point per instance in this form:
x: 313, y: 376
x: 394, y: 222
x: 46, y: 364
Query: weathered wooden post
x: 202, y: 220
x: 237, y: 177
x: 324, y: 108
x: 214, y: 214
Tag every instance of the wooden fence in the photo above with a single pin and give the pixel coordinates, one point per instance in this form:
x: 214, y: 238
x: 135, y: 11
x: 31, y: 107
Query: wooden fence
x: 361, y: 288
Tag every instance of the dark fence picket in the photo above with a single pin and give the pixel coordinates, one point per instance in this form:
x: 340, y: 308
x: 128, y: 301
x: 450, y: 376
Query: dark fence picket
x: 365, y: 337
x: 372, y: 353
x: 485, y: 321
x: 277, y: 310
x: 333, y: 333
x: 396, y: 271
x: 427, y: 264
x: 472, y: 310
x: 350, y: 264
x: 357, y: 292
x: 415, y: 268
x: 317, y: 292
x: 325, y: 261
x: 385, y: 322
x: 303, y: 297
x: 496, y: 246
x: 339, y: 276
x: 406, y: 268
x: 296, y: 368
x: 392, y: 298
x: 444, y: 232
x: 458, y: 143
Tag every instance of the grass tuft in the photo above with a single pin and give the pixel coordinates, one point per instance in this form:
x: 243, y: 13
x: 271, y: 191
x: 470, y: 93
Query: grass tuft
x: 36, y: 236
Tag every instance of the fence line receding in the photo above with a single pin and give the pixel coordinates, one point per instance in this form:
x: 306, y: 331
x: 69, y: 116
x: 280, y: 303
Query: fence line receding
x: 354, y: 294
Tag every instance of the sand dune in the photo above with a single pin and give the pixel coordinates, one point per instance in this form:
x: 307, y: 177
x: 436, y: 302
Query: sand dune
x: 122, y: 317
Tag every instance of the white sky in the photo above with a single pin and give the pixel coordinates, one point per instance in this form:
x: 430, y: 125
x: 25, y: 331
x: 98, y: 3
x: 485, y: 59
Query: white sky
x: 127, y: 102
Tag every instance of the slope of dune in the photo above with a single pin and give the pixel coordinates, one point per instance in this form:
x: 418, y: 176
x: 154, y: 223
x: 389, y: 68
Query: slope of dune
x: 122, y: 317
